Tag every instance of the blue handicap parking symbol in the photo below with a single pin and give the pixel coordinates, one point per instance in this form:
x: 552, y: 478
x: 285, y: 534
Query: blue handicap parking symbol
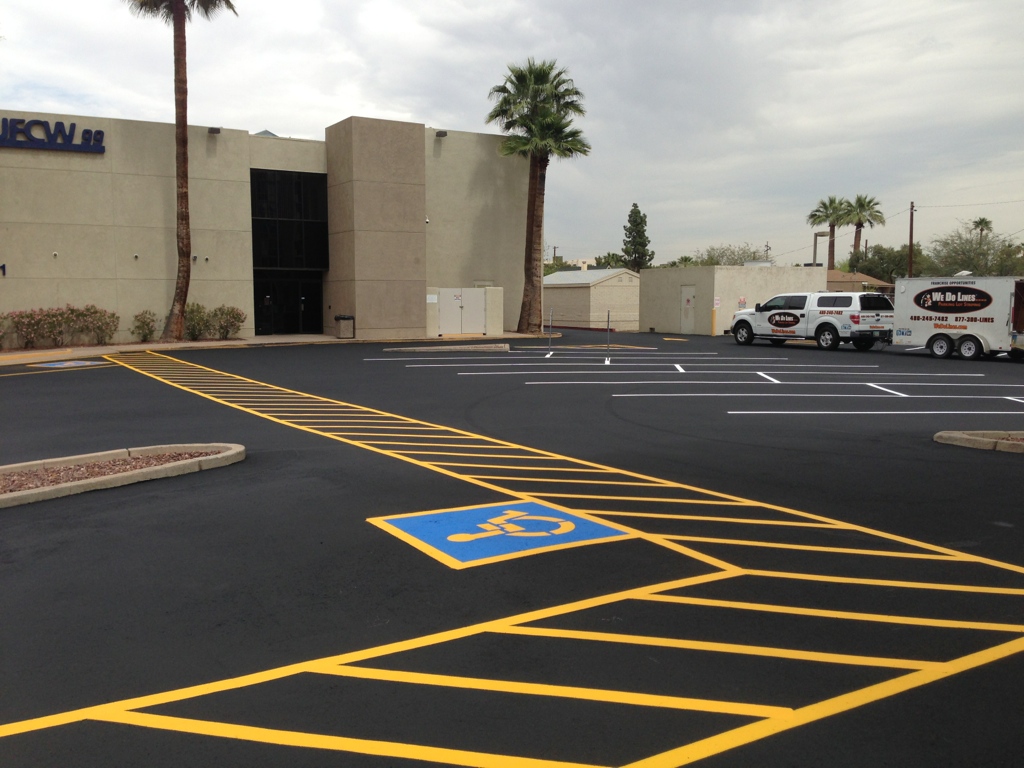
x: 474, y: 535
x: 66, y: 364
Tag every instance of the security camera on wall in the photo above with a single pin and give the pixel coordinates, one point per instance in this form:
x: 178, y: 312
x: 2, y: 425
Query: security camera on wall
x: 427, y: 221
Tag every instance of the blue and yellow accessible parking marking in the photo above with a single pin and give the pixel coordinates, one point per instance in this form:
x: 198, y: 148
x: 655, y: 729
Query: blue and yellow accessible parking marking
x: 490, y: 533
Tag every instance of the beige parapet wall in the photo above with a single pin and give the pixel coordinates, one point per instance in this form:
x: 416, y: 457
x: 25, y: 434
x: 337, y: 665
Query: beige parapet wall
x: 662, y: 302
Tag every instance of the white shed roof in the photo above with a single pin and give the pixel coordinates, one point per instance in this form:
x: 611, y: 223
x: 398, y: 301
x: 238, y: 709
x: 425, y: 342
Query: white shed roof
x: 584, y: 277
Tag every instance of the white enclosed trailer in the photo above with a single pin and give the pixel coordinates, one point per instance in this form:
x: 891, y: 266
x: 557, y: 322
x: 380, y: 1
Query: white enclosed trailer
x: 972, y: 316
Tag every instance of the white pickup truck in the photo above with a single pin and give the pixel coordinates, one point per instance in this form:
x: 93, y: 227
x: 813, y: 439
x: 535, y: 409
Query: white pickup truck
x: 830, y: 319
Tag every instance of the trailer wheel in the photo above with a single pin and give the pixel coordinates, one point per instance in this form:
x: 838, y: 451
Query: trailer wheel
x: 970, y: 348
x: 827, y: 337
x: 940, y: 346
x: 863, y: 344
x: 743, y: 333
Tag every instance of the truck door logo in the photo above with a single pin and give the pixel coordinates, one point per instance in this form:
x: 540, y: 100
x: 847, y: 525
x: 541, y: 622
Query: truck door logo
x: 952, y: 299
x: 783, y: 319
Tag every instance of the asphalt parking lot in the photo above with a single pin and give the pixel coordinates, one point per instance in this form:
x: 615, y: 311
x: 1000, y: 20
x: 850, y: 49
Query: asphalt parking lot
x: 641, y: 550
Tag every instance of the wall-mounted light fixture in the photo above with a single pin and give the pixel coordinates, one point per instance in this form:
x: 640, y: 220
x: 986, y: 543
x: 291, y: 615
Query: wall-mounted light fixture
x: 213, y: 131
x: 441, y: 134
x: 136, y: 257
x: 55, y: 254
x: 3, y: 270
x: 194, y: 257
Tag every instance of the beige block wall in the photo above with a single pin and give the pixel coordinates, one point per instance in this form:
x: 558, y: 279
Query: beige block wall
x: 476, y: 204
x: 98, y: 212
x: 661, y: 291
x: 621, y: 299
x: 376, y: 217
x: 567, y: 305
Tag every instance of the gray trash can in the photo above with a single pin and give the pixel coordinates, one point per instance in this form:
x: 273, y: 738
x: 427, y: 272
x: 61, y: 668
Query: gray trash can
x: 346, y: 326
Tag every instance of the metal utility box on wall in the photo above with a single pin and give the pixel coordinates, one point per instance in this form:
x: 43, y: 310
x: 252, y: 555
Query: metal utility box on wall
x: 473, y: 311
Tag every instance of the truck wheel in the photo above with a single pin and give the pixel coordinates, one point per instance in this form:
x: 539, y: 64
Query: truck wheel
x: 777, y: 342
x: 863, y: 344
x: 743, y: 333
x: 940, y: 346
x: 827, y: 337
x: 970, y: 348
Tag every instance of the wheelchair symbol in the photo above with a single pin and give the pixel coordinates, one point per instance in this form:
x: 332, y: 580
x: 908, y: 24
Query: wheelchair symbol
x: 499, y: 526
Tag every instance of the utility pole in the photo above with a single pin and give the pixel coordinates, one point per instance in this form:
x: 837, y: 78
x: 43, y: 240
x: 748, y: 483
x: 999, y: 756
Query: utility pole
x: 910, y: 249
x: 555, y: 256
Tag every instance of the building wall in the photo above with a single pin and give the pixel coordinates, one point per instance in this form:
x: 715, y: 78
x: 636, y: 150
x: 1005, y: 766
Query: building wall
x: 567, y: 305
x: 110, y: 219
x: 621, y: 299
x: 97, y: 212
x: 661, y: 292
x: 476, y: 204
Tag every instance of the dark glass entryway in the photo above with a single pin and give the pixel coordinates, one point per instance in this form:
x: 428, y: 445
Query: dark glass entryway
x: 288, y: 302
x: 289, y: 250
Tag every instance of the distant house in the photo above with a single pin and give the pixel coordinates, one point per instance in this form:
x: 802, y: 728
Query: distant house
x: 584, y: 299
x: 856, y: 281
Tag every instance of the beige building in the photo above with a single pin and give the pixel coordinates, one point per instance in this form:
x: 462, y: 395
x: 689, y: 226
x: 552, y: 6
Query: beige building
x: 701, y: 300
x: 584, y: 299
x: 855, y: 282
x: 293, y: 232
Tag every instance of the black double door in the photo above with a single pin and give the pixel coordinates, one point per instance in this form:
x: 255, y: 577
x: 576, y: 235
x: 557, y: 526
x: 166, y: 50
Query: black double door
x: 288, y: 301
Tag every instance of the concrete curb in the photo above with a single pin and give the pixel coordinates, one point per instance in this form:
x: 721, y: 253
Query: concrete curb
x: 228, y: 453
x: 986, y: 441
x: 453, y: 348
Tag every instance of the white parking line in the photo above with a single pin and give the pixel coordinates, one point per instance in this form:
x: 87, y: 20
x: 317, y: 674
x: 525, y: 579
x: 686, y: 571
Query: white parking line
x: 875, y: 413
x: 773, y: 381
x: 890, y: 391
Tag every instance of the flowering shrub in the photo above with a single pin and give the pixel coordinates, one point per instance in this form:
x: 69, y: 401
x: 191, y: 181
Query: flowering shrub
x: 197, y: 321
x: 226, y: 321
x: 144, y: 326
x: 61, y: 324
x: 101, y: 324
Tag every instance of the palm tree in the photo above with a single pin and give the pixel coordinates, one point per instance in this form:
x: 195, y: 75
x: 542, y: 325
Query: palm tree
x: 177, y: 13
x: 535, y: 105
x: 863, y: 210
x: 832, y: 211
x: 982, y: 225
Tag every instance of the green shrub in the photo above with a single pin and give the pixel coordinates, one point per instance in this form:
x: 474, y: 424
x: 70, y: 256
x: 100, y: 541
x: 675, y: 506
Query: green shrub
x: 3, y: 328
x: 197, y: 321
x: 144, y: 326
x: 226, y: 321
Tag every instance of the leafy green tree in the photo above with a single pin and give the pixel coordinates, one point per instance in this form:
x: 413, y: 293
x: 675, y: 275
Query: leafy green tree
x: 961, y: 251
x: 887, y: 263
x: 834, y: 212
x: 178, y: 13
x: 863, y: 211
x: 635, y: 253
x: 535, y: 105
x: 729, y: 255
x: 558, y: 264
x: 609, y: 261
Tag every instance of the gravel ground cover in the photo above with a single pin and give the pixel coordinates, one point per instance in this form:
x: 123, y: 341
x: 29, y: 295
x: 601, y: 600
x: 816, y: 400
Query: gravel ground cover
x: 47, y: 476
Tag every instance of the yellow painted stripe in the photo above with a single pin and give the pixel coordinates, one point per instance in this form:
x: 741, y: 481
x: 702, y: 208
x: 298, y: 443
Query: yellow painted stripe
x: 980, y: 589
x: 334, y: 743
x: 810, y: 547
x: 649, y: 499
x: 737, y: 648
x: 762, y: 729
x: 566, y: 481
x: 56, y: 370
x: 562, y: 691
x: 713, y: 519
x: 829, y: 614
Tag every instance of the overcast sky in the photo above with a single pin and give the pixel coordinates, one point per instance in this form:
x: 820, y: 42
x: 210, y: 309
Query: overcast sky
x: 725, y: 120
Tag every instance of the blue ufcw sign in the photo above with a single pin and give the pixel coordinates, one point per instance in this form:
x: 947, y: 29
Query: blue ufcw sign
x: 20, y: 133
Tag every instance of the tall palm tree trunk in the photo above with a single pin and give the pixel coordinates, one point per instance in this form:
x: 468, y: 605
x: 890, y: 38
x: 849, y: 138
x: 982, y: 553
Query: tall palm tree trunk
x: 533, y: 310
x: 831, y: 246
x: 175, y: 327
x: 856, y: 237
x: 529, y: 273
